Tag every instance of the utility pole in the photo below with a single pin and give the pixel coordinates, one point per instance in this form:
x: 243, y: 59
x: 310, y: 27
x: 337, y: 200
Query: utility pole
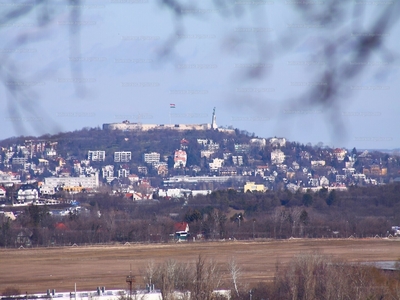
x: 254, y: 220
x: 130, y: 280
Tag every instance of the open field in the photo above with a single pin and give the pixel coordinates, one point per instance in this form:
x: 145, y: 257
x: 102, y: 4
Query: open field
x: 38, y: 269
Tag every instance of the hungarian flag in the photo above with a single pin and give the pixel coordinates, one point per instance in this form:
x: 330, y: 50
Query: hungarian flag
x: 172, y: 105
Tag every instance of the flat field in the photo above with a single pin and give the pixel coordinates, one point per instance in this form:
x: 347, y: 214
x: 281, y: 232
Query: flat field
x: 37, y: 269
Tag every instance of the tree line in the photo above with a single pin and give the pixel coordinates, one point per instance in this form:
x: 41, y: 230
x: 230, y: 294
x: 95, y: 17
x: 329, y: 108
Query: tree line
x: 223, y: 214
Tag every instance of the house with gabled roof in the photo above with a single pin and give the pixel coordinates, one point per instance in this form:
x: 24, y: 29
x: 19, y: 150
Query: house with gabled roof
x: 181, y: 226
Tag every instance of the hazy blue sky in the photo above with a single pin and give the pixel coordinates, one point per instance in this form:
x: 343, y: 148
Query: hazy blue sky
x: 124, y: 76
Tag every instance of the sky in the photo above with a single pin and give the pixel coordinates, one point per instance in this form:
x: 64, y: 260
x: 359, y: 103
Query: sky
x: 119, y: 66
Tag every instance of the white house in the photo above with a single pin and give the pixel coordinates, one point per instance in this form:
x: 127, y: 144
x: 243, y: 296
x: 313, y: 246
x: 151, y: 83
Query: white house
x: 277, y: 157
x: 215, y: 164
x: 275, y: 142
x: 2, y: 192
x: 27, y: 193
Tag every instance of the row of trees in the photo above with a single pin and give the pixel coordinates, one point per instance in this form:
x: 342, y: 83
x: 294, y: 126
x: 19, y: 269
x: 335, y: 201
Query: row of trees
x: 308, y: 276
x: 360, y: 212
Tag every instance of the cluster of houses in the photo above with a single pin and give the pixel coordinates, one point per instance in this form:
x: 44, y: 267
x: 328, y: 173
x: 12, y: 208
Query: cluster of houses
x: 37, y: 171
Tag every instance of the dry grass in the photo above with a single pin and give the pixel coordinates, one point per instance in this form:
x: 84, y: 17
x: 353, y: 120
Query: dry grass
x: 36, y: 270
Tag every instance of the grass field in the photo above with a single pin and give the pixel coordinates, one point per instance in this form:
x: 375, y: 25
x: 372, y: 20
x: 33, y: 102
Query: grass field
x: 38, y: 269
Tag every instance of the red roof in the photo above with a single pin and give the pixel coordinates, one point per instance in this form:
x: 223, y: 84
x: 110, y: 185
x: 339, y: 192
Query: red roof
x: 184, y: 141
x: 61, y: 226
x: 182, y: 226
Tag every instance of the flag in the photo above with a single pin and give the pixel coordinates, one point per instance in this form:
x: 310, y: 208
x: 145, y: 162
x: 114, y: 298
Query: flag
x: 172, y: 105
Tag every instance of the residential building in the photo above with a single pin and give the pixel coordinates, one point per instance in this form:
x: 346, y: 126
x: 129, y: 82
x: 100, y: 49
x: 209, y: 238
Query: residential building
x: 2, y: 192
x: 305, y: 155
x: 212, y: 146
x: 242, y: 148
x: 349, y: 171
x: 323, y: 181
x: 258, y: 142
x: 317, y: 163
x: 180, y: 158
x: 162, y: 170
x: 277, y: 157
x: 215, y: 164
x: 339, y: 153
x: 184, y: 144
x: 122, y: 156
x: 340, y: 178
x: 206, y: 153
x: 19, y: 160
x: 97, y: 155
x: 260, y: 170
x: 182, y: 226
x: 151, y: 158
x: 253, y: 187
x: 107, y: 171
x: 27, y: 193
x: 358, y: 176
x: 123, y: 172
x: 50, y: 153
x: 277, y: 142
x: 226, y: 155
x: 202, y: 141
x: 68, y: 181
x: 290, y: 173
x: 142, y: 170
x: 227, y: 171
x: 133, y: 178
x: 237, y: 160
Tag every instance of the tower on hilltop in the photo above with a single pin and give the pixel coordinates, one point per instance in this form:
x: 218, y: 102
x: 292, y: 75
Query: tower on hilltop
x: 214, y: 121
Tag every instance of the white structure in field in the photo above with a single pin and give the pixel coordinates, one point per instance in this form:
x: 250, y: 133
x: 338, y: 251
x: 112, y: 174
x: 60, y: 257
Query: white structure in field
x: 122, y: 156
x: 97, y: 155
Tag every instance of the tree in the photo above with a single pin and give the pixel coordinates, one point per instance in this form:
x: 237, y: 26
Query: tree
x: 235, y: 274
x: 206, y: 279
x: 332, y: 198
x: 307, y: 199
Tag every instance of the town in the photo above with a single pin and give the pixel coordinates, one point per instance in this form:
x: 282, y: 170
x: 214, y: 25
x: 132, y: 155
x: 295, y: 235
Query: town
x: 96, y: 172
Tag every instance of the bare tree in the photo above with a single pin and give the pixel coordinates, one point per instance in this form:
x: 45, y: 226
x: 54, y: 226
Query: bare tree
x: 235, y: 274
x: 206, y: 279
x: 150, y: 272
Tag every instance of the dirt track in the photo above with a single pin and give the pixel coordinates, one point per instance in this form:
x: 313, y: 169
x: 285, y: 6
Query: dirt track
x: 36, y: 270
